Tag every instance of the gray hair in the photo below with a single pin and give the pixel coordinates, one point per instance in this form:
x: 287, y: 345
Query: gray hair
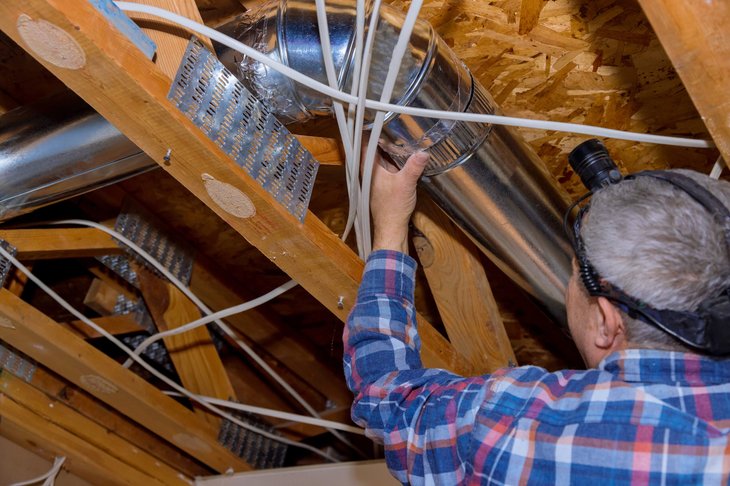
x: 660, y: 246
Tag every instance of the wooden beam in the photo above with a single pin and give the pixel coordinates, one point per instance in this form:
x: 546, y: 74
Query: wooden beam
x: 111, y: 419
x: 461, y: 290
x: 41, y: 338
x: 695, y: 37
x: 33, y: 432
x: 193, y: 353
x: 101, y: 65
x: 89, y: 432
x: 46, y: 244
x: 101, y: 297
x: 115, y: 325
x: 274, y: 337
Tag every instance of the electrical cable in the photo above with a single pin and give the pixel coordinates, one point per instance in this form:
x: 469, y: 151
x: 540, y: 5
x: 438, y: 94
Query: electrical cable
x: 345, y: 134
x: 49, y: 478
x: 221, y: 314
x: 135, y: 355
x: 267, y: 412
x: 446, y: 115
x: 396, y: 60
x: 717, y: 169
x: 103, y: 332
x: 360, y: 114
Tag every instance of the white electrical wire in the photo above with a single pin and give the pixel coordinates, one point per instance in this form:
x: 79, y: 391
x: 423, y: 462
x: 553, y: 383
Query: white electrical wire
x: 360, y: 118
x: 447, y: 115
x: 200, y: 322
x: 221, y: 314
x: 396, y: 59
x: 267, y: 412
x: 49, y: 478
x: 103, y: 332
x: 717, y: 169
x: 353, y: 188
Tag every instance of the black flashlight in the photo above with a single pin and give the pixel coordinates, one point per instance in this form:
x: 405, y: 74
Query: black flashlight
x: 590, y: 160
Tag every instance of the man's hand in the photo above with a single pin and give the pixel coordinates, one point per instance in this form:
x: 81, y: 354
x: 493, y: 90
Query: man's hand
x: 393, y: 199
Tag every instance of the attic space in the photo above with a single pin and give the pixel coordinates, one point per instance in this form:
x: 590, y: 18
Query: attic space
x: 115, y: 138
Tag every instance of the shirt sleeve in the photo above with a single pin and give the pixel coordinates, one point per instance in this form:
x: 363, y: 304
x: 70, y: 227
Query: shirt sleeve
x: 424, y: 417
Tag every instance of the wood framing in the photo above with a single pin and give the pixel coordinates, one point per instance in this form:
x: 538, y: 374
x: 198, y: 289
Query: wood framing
x: 129, y: 91
x: 193, y: 353
x: 34, y: 432
x: 39, y: 337
x: 461, y: 290
x: 47, y: 244
x: 260, y: 328
x: 109, y: 418
x: 86, y: 435
x: 694, y: 36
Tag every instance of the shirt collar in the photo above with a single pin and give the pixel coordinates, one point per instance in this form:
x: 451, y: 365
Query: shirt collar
x: 653, y: 366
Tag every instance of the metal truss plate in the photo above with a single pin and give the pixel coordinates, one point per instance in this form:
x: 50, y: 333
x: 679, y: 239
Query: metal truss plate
x: 216, y: 101
x: 5, y: 265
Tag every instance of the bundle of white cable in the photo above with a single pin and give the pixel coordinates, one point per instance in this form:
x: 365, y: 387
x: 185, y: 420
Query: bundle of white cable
x: 395, y: 61
x: 49, y: 478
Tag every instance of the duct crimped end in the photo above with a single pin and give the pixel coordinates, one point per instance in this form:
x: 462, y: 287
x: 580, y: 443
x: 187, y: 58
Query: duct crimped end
x: 461, y: 141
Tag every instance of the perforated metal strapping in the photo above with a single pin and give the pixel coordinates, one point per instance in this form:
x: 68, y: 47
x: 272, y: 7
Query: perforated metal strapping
x: 211, y: 96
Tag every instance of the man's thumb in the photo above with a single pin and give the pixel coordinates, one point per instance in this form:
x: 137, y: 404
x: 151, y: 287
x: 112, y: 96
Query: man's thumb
x: 415, y: 165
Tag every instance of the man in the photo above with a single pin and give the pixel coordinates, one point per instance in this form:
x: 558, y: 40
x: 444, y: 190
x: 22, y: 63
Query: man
x: 647, y: 411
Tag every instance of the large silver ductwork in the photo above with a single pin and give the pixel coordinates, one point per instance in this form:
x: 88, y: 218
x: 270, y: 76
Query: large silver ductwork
x: 57, y: 148
x: 485, y: 177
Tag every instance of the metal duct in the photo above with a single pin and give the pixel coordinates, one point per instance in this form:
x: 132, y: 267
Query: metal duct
x: 485, y: 177
x: 58, y: 148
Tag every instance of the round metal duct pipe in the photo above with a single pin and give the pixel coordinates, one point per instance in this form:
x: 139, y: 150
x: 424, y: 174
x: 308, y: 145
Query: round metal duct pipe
x: 58, y: 148
x: 485, y: 177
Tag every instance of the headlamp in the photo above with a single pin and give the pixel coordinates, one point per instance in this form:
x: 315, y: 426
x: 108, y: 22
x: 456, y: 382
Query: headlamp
x: 707, y: 328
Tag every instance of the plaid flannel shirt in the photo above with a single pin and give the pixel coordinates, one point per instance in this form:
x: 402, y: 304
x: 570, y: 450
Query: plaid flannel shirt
x: 642, y: 417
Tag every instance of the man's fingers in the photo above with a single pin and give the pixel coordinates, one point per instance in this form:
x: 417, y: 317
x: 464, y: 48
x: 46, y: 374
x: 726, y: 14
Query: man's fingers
x: 415, y: 165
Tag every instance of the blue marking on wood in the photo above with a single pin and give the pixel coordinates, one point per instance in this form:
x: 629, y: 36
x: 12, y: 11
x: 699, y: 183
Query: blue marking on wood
x: 126, y: 26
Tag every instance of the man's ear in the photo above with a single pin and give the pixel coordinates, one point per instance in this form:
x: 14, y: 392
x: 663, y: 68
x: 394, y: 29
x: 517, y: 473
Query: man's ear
x: 611, y: 331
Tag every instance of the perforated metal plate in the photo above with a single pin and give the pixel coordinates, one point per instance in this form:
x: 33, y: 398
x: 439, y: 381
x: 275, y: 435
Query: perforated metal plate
x: 213, y: 98
x: 5, y: 264
x: 14, y: 363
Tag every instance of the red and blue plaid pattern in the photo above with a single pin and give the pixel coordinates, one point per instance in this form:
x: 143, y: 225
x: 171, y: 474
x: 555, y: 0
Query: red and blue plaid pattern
x: 642, y: 417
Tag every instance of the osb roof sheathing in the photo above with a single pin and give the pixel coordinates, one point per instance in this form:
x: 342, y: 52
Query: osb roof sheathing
x: 596, y: 63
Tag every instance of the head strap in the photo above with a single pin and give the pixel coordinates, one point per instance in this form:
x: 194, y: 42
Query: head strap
x: 708, y: 328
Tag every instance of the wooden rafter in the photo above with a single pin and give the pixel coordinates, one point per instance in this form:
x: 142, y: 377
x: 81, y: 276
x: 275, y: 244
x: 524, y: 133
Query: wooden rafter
x: 461, y: 290
x: 41, y: 338
x: 107, y: 417
x: 128, y: 90
x: 193, y: 353
x: 694, y: 35
x: 86, y: 436
x: 47, y: 244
